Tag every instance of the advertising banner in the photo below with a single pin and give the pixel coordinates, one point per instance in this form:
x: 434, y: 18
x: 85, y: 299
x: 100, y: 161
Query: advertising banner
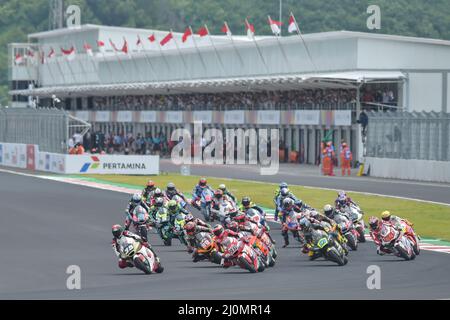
x: 102, y: 116
x: 307, y: 117
x: 342, y: 118
x: 148, y: 117
x: 112, y: 164
x: 83, y: 115
x: 124, y: 116
x: 234, y: 117
x: 173, y: 117
x: 14, y: 155
x: 203, y: 116
x: 31, y: 157
x: 268, y: 117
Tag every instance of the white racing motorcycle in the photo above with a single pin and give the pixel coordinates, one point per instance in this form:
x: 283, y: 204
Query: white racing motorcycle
x: 142, y: 257
x: 356, y: 215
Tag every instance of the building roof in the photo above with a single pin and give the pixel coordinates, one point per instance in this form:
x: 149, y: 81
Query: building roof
x: 312, y: 36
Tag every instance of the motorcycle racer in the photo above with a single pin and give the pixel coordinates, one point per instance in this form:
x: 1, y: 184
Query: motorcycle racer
x: 136, y: 200
x: 374, y: 231
x: 402, y: 224
x: 172, y: 191
x: 227, y: 193
x: 190, y: 218
x: 148, y: 190
x: 198, y: 190
x: 118, y: 232
x: 343, y: 200
x: 174, y: 209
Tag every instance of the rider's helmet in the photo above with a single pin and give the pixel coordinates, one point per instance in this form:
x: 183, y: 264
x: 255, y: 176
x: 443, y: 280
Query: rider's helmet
x: 158, y: 193
x: 117, y: 230
x: 150, y: 184
x: 218, y: 230
x: 202, y: 182
x: 284, y: 192
x: 283, y: 185
x: 240, y: 217
x: 233, y: 226
x: 172, y: 205
x: 159, y: 202
x: 136, y: 198
x: 328, y: 210
x: 190, y: 228
x: 223, y: 187
x: 374, y: 223
x: 288, y: 203
x: 246, y: 202
x: 344, y: 145
x: 171, y: 190
x: 139, y: 210
x: 305, y: 224
x: 189, y: 217
x: 386, y: 215
x: 218, y: 194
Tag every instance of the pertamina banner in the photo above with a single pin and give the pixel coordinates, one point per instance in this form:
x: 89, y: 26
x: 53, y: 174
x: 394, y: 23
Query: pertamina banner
x: 112, y: 164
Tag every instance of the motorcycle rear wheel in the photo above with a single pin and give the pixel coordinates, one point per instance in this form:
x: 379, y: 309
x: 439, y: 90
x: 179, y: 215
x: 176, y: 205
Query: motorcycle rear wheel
x: 247, y: 265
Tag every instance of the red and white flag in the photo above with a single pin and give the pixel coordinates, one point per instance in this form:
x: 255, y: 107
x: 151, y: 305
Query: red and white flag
x: 203, y: 31
x: 292, y: 26
x: 250, y: 29
x: 187, y: 33
x: 18, y: 59
x: 51, y: 54
x: 166, y: 39
x: 152, y: 38
x: 70, y: 54
x: 226, y: 30
x: 87, y: 47
x: 275, y: 26
x: 125, y: 46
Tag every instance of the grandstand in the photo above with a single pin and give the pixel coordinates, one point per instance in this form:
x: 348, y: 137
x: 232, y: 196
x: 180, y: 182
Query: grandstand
x: 303, y: 87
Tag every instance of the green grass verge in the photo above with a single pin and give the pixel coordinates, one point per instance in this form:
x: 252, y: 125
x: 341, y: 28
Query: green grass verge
x: 430, y: 220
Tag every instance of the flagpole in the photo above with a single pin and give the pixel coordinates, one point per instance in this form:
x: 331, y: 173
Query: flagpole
x: 281, y: 46
x: 148, y: 59
x: 59, y: 67
x: 257, y: 47
x: 104, y: 59
x: 162, y: 53
x: 118, y: 59
x: 215, y: 50
x: 198, y: 51
x: 181, y: 56
x: 90, y: 57
x: 304, y: 43
x: 79, y: 61
x: 234, y: 46
x: 42, y: 52
x: 70, y: 67
x: 128, y: 54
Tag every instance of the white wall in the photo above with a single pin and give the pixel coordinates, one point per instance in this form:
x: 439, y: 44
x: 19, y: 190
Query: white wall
x: 422, y: 170
x: 425, y: 91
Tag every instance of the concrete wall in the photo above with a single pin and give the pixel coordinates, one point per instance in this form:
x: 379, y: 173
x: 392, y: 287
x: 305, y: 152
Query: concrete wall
x: 422, y: 170
x: 425, y: 91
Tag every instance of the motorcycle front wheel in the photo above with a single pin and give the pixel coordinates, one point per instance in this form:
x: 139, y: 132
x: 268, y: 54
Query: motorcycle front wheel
x: 247, y: 265
x: 334, y: 256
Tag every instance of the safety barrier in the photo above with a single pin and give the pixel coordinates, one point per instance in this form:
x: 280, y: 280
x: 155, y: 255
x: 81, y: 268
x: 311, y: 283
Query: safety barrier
x: 28, y: 156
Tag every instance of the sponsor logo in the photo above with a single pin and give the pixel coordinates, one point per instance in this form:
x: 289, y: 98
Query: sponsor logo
x: 91, y: 165
x: 111, y: 165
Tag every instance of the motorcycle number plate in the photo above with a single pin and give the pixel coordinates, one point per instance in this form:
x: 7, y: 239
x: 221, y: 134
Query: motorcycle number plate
x: 129, y: 249
x: 233, y: 249
x: 322, y: 242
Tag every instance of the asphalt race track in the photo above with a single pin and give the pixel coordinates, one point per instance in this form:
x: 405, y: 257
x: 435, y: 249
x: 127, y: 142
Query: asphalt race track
x: 46, y: 226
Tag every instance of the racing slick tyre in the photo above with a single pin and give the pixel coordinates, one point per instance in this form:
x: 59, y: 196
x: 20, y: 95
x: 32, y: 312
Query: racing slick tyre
x: 333, y: 255
x: 403, y: 253
x: 247, y: 265
x: 352, y: 242
x: 141, y: 265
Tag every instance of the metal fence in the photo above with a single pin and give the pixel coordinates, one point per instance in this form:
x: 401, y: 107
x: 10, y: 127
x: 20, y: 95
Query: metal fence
x: 409, y: 135
x: 47, y: 128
